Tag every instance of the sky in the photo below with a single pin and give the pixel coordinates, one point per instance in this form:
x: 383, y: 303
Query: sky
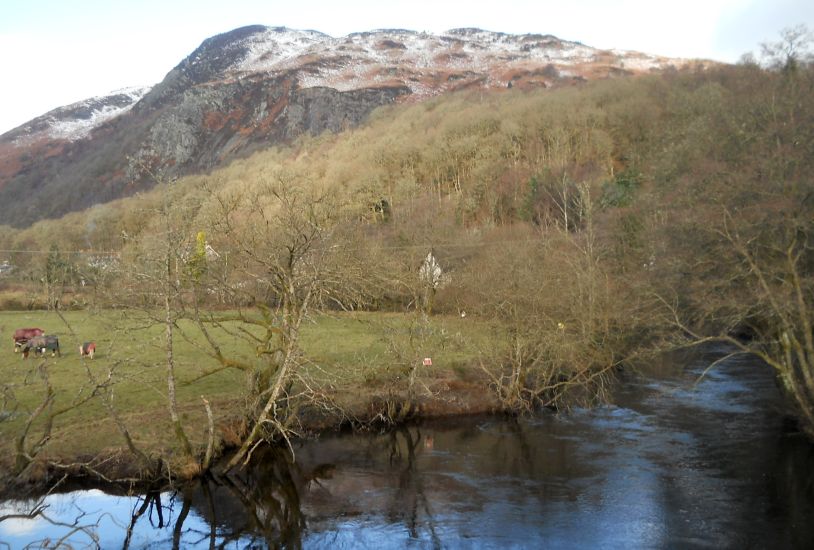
x: 56, y: 52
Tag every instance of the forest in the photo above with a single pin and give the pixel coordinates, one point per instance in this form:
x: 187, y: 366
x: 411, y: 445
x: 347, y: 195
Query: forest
x: 537, y: 241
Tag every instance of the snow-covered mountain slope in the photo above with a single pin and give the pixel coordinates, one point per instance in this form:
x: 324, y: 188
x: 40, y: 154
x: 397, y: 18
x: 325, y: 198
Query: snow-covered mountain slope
x: 256, y: 86
x: 366, y: 59
x: 427, y: 64
x: 77, y: 120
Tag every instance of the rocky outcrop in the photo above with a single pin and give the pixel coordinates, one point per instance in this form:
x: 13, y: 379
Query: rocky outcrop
x: 208, y: 125
x: 195, y: 130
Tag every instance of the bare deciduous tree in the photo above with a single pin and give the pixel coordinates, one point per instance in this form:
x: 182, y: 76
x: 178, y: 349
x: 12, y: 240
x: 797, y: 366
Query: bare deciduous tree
x: 288, y: 256
x: 793, y: 48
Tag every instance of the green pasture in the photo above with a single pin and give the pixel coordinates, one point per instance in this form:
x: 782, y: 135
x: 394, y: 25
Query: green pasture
x: 352, y: 354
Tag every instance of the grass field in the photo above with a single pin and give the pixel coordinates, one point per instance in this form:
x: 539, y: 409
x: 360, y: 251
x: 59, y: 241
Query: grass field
x: 356, y: 356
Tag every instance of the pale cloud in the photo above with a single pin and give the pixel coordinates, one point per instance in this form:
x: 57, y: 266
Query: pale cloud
x: 17, y: 527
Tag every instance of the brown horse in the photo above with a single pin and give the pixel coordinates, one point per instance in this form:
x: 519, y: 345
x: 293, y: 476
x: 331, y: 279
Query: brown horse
x: 23, y: 335
x: 88, y: 349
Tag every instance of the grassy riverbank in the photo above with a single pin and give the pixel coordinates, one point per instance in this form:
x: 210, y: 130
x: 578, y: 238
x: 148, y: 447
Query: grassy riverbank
x: 356, y: 362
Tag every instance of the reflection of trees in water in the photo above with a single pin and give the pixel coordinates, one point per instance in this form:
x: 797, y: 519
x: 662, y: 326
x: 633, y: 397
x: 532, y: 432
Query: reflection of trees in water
x: 258, y: 505
x: 538, y: 448
x: 270, y: 499
x: 153, y: 510
x: 526, y: 462
x: 261, y: 505
x: 794, y: 488
x: 82, y: 528
x: 150, y: 504
x: 410, y: 498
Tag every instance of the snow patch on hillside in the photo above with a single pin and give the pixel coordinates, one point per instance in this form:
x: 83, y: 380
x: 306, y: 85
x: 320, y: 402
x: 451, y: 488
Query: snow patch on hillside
x: 644, y: 62
x: 276, y: 47
x: 76, y: 121
x: 73, y: 129
x: 364, y: 59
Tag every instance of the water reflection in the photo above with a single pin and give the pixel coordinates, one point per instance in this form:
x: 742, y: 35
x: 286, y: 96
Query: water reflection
x: 676, y: 463
x: 259, y: 507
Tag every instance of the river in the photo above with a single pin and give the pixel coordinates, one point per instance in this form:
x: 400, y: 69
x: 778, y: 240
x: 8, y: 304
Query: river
x: 679, y: 461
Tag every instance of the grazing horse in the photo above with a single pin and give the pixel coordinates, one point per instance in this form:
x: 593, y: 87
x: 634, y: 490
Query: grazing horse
x: 23, y: 335
x: 41, y: 344
x: 87, y: 349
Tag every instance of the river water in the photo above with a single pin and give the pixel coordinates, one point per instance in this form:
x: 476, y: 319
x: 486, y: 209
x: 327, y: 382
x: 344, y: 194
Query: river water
x: 678, y: 462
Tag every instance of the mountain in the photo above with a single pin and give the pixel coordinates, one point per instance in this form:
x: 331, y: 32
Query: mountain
x: 256, y: 86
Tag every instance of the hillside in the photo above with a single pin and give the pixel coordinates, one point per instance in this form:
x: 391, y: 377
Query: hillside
x: 257, y: 86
